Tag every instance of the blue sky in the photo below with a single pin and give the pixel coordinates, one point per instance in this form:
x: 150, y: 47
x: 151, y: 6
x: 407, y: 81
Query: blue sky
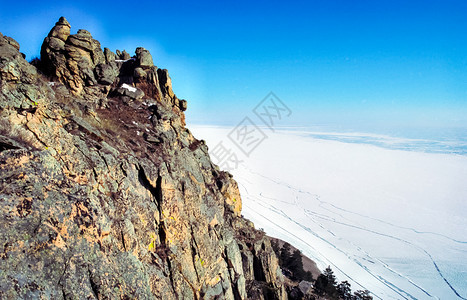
x: 344, y: 63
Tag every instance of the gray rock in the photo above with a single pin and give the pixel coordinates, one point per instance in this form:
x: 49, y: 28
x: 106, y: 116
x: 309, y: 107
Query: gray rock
x: 165, y: 83
x: 106, y: 73
x: 12, y: 42
x: 152, y: 139
x: 130, y: 91
x: 63, y: 21
x: 55, y: 44
x: 305, y: 286
x: 183, y: 105
x: 109, y: 56
x: 8, y: 143
x: 14, y: 68
x: 143, y: 58
x: 84, y: 41
x: 139, y: 73
x: 125, y: 55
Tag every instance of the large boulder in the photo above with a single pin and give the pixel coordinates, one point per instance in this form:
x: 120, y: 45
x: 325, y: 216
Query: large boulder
x: 109, y: 55
x: 106, y: 73
x: 143, y: 58
x: 139, y: 73
x: 305, y: 286
x: 90, y: 47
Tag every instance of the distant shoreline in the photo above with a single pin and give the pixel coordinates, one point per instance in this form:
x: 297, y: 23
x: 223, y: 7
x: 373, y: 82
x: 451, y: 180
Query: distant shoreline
x: 436, y: 140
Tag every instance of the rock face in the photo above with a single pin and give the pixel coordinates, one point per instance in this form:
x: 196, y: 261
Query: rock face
x: 105, y: 194
x: 71, y: 59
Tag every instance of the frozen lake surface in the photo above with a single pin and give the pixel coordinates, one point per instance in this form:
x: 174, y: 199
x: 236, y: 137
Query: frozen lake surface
x: 388, y: 220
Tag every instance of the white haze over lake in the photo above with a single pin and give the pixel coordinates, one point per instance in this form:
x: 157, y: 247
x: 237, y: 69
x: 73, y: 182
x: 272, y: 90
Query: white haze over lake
x: 388, y: 220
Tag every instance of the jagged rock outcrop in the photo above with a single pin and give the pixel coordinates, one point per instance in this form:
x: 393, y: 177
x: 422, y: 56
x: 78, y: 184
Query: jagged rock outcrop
x: 123, y: 55
x: 105, y: 194
x: 71, y: 59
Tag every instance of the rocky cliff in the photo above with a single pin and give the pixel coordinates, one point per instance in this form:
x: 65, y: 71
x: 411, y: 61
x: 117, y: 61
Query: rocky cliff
x: 105, y: 193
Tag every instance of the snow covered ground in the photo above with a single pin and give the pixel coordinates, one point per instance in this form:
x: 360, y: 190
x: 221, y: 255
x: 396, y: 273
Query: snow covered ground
x: 390, y: 221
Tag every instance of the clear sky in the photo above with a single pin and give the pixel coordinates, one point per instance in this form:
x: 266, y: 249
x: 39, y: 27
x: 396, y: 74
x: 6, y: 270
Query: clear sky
x: 371, y: 63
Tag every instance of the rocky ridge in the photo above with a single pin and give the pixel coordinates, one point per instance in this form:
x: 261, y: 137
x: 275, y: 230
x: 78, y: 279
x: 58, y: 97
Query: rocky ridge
x: 105, y: 194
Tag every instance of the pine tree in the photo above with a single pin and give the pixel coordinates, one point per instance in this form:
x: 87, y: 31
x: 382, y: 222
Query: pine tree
x: 344, y: 291
x: 362, y: 295
x: 296, y: 265
x: 275, y: 247
x: 285, y: 254
x: 330, y: 275
x: 326, y: 284
x: 321, y: 284
x: 308, y: 276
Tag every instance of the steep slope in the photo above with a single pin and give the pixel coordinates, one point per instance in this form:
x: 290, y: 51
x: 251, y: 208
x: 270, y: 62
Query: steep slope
x: 105, y: 194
